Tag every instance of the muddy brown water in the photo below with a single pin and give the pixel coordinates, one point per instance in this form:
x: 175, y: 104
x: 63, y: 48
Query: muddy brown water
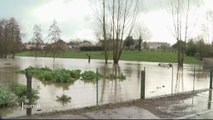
x: 160, y: 80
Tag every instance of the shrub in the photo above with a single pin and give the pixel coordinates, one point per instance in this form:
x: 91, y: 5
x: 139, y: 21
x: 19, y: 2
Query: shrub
x: 21, y: 92
x: 7, y: 98
x: 63, y: 98
x: 62, y: 76
x: 111, y: 76
x: 88, y: 75
x: 75, y: 73
x: 65, y: 76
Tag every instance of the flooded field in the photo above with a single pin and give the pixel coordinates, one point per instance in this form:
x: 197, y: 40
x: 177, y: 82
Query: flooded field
x: 160, y: 80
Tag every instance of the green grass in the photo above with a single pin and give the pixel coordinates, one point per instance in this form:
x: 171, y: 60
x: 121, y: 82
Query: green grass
x: 152, y: 56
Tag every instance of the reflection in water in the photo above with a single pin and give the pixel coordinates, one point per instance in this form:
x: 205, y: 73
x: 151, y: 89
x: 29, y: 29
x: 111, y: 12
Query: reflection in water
x: 128, y: 69
x: 37, y: 63
x: 8, y: 75
x: 210, y: 99
x: 111, y: 88
x: 179, y: 80
x: 56, y: 65
x: 200, y: 74
x: 116, y: 69
x: 138, y: 71
x: 64, y: 86
x: 104, y: 70
x: 115, y: 90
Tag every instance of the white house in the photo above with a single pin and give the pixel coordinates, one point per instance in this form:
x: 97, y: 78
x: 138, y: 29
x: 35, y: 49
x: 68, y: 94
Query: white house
x: 155, y: 45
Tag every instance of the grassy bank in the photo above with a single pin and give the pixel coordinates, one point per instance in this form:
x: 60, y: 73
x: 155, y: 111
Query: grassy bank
x: 152, y: 56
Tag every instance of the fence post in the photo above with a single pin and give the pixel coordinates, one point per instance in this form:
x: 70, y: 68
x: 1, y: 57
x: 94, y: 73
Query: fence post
x: 29, y: 92
x: 143, y: 84
x: 194, y: 80
x: 97, y: 86
x: 211, y: 72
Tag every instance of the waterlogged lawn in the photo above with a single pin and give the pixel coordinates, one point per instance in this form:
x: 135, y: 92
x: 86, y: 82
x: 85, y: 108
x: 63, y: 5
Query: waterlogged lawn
x: 67, y: 76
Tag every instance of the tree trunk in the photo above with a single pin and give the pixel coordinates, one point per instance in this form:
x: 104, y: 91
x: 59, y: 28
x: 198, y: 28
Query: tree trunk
x: 104, y: 35
x: 139, y: 44
x: 180, y: 52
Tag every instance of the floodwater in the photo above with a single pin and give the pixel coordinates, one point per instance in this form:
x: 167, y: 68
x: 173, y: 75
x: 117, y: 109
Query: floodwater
x: 159, y: 81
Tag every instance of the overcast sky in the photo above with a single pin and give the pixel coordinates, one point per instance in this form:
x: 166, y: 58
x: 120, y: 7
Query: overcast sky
x: 76, y: 21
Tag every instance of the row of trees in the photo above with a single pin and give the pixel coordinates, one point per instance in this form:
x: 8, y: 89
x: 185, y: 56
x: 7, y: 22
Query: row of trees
x: 10, y: 37
x: 11, y: 42
x: 117, y: 19
x: 198, y: 48
x: 53, y: 36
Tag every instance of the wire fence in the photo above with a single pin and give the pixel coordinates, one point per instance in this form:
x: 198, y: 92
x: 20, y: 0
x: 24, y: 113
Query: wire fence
x: 147, y: 83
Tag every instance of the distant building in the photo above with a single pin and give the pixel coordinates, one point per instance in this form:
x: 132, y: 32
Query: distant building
x: 110, y: 43
x: 31, y: 46
x: 59, y: 45
x: 85, y: 44
x: 156, y: 45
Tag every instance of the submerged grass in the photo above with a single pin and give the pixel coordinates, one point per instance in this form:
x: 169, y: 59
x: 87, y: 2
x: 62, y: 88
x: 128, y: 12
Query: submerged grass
x: 59, y: 75
x: 66, y: 76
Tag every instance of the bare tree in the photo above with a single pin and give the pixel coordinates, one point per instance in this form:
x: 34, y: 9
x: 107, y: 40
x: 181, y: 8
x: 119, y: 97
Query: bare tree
x: 123, y: 17
x: 10, y: 37
x: 207, y: 27
x: 117, y: 18
x: 180, y: 17
x: 99, y: 8
x: 143, y: 33
x: 54, y: 33
x: 37, y: 38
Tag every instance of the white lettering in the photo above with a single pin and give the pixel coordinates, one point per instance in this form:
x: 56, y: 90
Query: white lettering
x: 25, y: 106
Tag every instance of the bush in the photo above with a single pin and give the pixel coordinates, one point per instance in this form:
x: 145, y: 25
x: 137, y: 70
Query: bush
x: 59, y: 75
x: 88, y: 75
x: 21, y: 92
x: 75, y: 73
x: 62, y: 76
x: 65, y: 76
x: 191, y: 51
x: 7, y: 98
x: 111, y: 76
